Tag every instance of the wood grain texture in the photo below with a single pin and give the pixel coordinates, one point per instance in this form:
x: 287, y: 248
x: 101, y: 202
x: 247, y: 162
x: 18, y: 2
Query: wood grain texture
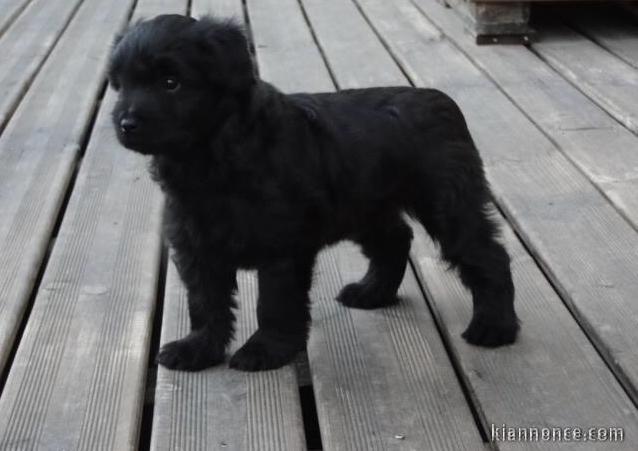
x: 383, y: 374
x: 78, y: 377
x: 588, y: 250
x: 26, y: 45
x: 38, y: 151
x: 605, y: 78
x: 222, y: 408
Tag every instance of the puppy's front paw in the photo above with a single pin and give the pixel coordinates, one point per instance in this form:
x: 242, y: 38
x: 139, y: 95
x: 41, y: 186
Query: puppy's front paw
x: 491, y: 334
x: 264, y: 352
x: 192, y: 353
x: 365, y: 296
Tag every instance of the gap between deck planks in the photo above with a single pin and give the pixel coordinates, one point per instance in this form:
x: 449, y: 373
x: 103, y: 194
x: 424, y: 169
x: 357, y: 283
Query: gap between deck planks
x: 513, y: 372
x: 26, y: 46
x: 11, y: 9
x: 77, y: 380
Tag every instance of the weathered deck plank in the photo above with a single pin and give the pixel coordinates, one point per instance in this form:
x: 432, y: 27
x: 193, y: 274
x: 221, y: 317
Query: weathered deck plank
x: 219, y: 8
x: 350, y: 42
x: 554, y: 207
x: 615, y: 88
x: 377, y: 375
x: 223, y: 408
x: 11, y: 9
x: 601, y: 147
x: 38, y: 149
x: 78, y: 377
x: 77, y: 380
x: 613, y: 30
x: 285, y: 50
x: 26, y: 45
x: 495, y: 377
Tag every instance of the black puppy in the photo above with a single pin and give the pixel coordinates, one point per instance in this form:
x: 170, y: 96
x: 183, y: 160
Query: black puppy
x: 258, y: 179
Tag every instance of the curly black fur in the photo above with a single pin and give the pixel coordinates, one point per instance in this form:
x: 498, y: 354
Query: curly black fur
x: 258, y: 179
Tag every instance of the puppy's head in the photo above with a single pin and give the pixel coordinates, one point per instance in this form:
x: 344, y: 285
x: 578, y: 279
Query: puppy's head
x: 177, y: 78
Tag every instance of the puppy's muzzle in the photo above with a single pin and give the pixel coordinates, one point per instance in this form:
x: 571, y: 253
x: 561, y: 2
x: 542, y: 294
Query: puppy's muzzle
x: 131, y: 133
x: 129, y: 124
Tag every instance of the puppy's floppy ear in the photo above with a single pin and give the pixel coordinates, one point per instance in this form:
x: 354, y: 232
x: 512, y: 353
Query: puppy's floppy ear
x: 112, y: 63
x: 228, y: 53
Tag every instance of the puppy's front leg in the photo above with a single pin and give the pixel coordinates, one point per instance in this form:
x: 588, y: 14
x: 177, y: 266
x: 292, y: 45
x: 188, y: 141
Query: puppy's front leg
x: 283, y: 316
x: 211, y: 285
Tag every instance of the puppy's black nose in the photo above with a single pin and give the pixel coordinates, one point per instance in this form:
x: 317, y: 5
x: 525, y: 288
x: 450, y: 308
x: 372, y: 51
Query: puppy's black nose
x: 128, y: 124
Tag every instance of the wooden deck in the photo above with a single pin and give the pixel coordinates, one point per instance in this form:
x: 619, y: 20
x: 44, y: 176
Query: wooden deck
x: 86, y: 295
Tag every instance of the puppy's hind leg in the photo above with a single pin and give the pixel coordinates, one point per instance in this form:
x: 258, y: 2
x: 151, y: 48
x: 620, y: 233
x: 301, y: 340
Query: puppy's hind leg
x: 387, y: 245
x: 283, y: 316
x: 456, y: 215
x: 484, y: 266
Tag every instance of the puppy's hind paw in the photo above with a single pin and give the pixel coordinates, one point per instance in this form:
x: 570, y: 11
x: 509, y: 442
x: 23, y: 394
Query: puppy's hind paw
x: 365, y: 296
x: 262, y: 352
x: 194, y: 352
x: 491, y: 334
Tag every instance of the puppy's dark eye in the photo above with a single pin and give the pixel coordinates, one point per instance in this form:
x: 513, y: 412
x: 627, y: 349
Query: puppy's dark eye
x: 170, y: 83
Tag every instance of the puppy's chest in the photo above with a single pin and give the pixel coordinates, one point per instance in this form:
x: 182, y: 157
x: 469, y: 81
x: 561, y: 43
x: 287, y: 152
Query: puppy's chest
x: 242, y: 229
